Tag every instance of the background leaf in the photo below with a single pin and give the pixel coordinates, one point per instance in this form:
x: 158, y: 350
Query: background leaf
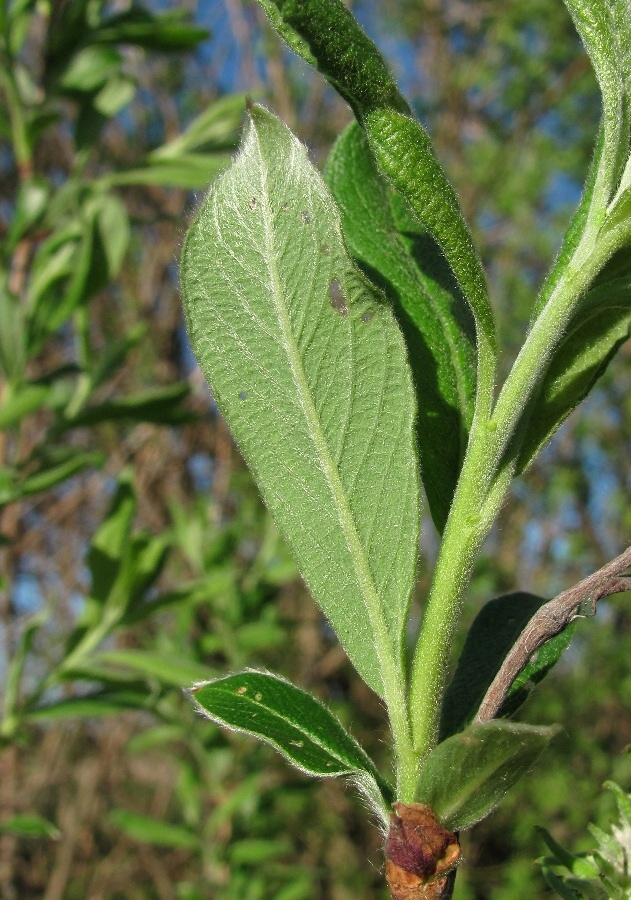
x: 467, y: 775
x: 308, y: 366
x: 405, y: 262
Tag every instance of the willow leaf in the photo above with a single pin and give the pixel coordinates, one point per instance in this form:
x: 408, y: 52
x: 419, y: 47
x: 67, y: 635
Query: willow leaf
x: 309, y: 368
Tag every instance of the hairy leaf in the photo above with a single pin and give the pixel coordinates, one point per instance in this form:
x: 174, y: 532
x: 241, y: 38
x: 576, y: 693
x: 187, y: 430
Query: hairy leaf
x: 605, y: 30
x: 309, y: 367
x: 325, y: 33
x: 293, y: 722
x: 404, y: 260
x: 467, y: 776
x: 598, y: 329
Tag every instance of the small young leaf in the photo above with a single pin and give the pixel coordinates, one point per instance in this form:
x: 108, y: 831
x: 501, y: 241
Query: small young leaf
x: 296, y: 724
x: 466, y: 776
x: 599, y: 328
x: 434, y: 317
x: 492, y: 634
x: 309, y: 368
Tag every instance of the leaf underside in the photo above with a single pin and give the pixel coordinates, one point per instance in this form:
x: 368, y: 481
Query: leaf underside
x: 308, y: 366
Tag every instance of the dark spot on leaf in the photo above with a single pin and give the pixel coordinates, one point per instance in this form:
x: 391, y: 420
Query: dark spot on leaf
x: 253, y: 203
x: 325, y: 249
x: 284, y: 207
x: 243, y: 395
x: 367, y: 316
x: 338, y: 301
x: 306, y: 217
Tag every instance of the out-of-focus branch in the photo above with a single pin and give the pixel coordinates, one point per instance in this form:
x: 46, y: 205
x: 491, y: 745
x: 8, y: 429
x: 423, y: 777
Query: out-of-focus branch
x: 549, y: 620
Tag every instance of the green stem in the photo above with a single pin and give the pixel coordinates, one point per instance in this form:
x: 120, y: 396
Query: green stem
x: 465, y: 530
x: 484, y: 480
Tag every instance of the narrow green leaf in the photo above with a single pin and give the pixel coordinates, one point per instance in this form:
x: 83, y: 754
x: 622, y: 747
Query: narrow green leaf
x: 405, y: 155
x: 22, y: 403
x: 492, y: 634
x: 436, y: 322
x: 138, y: 26
x: 30, y: 204
x: 12, y: 338
x: 308, y: 366
x: 51, y: 475
x: 582, y: 229
x: 90, y: 68
x: 97, y: 704
x: 216, y: 126
x: 152, y: 831
x: 251, y: 851
x: 467, y: 776
x: 601, y: 325
x: 110, y: 541
x: 325, y: 33
x: 30, y: 825
x: 112, y: 221
x: 169, y: 671
x: 296, y: 724
x: 188, y: 171
x: 164, y: 406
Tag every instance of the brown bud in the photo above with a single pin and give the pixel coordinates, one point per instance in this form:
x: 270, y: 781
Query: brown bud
x: 420, y: 853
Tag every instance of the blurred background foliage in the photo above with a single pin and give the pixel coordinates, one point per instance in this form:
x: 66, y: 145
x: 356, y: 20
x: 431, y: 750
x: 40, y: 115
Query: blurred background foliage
x: 135, y: 555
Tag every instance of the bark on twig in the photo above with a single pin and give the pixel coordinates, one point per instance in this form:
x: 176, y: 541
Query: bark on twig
x: 548, y: 621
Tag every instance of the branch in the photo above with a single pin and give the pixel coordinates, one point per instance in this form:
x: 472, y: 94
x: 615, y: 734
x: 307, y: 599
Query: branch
x: 548, y: 621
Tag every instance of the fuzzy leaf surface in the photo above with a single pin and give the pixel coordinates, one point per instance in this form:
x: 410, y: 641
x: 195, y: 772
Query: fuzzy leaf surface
x: 467, y: 776
x: 599, y: 328
x: 604, y: 27
x: 309, y: 368
x: 325, y: 33
x: 293, y: 722
x: 436, y: 322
